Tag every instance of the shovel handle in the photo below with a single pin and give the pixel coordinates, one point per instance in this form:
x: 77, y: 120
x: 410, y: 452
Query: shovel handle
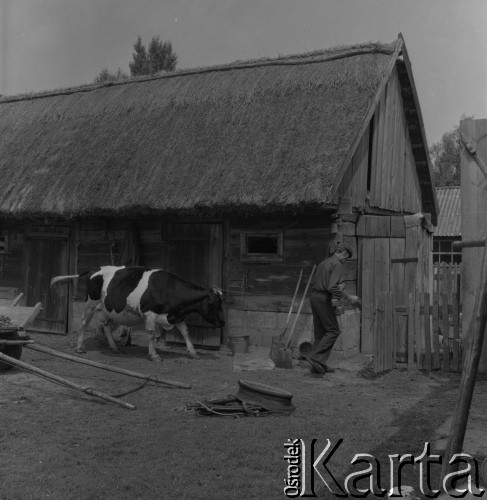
x: 288, y: 340
x: 294, y: 298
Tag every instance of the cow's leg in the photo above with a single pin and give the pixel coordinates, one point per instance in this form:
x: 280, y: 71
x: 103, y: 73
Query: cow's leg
x: 150, y: 328
x: 183, y: 328
x: 85, y: 321
x: 108, y: 334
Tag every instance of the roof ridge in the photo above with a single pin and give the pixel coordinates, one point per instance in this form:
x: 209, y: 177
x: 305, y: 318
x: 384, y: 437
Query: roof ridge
x: 330, y: 54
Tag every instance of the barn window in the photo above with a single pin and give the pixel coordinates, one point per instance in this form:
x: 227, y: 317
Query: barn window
x: 443, y: 251
x: 261, y: 246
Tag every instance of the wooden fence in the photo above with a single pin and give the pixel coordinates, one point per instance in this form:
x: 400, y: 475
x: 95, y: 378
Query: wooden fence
x: 447, y: 279
x: 426, y: 330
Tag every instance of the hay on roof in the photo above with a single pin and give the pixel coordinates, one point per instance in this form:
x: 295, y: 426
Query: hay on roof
x: 253, y: 135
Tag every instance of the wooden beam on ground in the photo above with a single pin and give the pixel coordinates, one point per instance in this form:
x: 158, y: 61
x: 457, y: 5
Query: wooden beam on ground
x: 103, y: 366
x: 67, y: 383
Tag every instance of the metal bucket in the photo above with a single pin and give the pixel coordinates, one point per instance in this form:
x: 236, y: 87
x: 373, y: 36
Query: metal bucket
x: 305, y: 348
x: 239, y: 344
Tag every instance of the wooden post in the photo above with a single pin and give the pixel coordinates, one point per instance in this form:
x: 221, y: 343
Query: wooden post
x: 427, y: 331
x: 434, y: 322
x: 411, y: 329
x: 456, y: 335
x: 446, y: 333
x: 475, y: 336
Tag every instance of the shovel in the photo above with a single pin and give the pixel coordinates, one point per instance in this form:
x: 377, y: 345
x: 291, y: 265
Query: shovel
x: 284, y: 355
x: 277, y: 340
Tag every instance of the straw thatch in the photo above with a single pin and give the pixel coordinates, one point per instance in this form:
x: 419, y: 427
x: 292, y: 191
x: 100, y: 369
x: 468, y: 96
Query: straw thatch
x: 262, y: 134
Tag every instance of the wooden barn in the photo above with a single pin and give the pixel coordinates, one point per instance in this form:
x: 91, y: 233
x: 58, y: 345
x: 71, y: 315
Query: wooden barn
x: 236, y: 176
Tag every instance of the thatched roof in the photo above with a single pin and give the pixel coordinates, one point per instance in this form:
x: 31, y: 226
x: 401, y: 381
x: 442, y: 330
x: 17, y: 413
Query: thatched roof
x: 267, y: 134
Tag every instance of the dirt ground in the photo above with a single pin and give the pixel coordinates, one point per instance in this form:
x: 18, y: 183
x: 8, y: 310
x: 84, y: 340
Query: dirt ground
x: 56, y: 443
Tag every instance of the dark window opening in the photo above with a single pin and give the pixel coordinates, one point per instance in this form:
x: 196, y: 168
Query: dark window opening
x: 262, y: 244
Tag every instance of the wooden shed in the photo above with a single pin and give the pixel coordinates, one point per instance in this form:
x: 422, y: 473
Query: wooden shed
x: 237, y: 176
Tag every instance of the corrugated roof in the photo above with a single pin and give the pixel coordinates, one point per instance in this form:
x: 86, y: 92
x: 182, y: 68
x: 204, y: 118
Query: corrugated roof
x: 450, y: 216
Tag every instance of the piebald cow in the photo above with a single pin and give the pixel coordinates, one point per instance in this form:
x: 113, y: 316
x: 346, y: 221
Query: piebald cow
x: 131, y: 295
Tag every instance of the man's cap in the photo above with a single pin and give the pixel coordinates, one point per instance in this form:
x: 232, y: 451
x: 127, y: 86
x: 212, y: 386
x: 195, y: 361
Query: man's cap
x: 344, y: 247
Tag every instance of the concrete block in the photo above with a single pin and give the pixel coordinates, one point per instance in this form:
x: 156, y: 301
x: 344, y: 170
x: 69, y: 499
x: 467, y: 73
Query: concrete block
x: 261, y: 319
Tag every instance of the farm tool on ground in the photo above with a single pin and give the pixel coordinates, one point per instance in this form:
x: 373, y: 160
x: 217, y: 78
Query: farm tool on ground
x: 280, y: 352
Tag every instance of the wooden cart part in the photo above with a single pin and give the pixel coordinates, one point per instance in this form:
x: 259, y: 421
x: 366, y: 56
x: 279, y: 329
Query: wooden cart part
x: 21, y: 316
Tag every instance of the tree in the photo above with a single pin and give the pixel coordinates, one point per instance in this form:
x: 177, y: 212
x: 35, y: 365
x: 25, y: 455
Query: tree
x: 140, y: 64
x: 107, y: 76
x: 159, y: 56
x: 445, y: 156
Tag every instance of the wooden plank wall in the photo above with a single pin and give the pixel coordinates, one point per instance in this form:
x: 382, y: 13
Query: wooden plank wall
x: 396, y: 258
x: 100, y: 243
x: 306, y: 242
x: 394, y: 181
x: 473, y: 193
x: 12, y: 271
x: 354, y: 182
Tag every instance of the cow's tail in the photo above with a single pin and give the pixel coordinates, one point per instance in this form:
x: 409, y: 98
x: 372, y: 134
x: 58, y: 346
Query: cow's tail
x: 59, y: 279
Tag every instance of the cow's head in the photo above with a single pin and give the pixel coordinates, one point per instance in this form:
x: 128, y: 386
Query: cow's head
x: 212, y: 310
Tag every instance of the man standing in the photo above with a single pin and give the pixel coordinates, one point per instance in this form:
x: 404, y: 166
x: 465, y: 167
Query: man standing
x: 326, y: 292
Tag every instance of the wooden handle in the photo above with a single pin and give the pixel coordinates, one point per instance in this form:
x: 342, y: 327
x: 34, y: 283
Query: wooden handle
x: 288, y: 340
x: 292, y: 303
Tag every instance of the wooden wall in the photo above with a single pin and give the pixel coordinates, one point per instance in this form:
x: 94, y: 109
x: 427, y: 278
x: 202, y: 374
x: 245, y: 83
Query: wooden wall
x: 100, y: 242
x: 395, y: 256
x: 11, y: 269
x: 261, y: 292
x: 392, y: 180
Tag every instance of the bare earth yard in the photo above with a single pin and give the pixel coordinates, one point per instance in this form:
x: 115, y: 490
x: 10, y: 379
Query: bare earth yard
x: 56, y: 443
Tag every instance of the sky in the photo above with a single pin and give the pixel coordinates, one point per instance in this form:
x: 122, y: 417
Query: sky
x: 51, y: 44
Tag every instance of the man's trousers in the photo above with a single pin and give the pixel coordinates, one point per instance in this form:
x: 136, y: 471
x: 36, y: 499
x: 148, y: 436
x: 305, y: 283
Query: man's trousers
x: 325, y: 325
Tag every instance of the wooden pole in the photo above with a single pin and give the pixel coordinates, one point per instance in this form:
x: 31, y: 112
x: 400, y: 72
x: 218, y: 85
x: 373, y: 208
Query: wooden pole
x: 16, y: 342
x: 54, y: 378
x: 475, y: 337
x: 77, y: 359
x: 458, y: 245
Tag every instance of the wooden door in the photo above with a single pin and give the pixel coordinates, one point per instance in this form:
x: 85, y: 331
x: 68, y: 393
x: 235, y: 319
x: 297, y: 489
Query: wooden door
x: 46, y: 256
x: 194, y: 252
x: 375, y: 267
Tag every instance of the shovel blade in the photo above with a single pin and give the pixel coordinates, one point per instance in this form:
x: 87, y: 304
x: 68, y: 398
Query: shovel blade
x: 276, y: 344
x: 284, y: 358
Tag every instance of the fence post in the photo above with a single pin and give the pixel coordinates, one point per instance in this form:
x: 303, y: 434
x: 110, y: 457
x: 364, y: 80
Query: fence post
x: 411, y: 330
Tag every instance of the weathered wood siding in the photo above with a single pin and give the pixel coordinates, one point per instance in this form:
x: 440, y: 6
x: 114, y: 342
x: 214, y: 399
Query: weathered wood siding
x: 261, y: 292
x: 101, y: 243
x: 389, y: 176
x: 395, y: 256
x: 11, y: 270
